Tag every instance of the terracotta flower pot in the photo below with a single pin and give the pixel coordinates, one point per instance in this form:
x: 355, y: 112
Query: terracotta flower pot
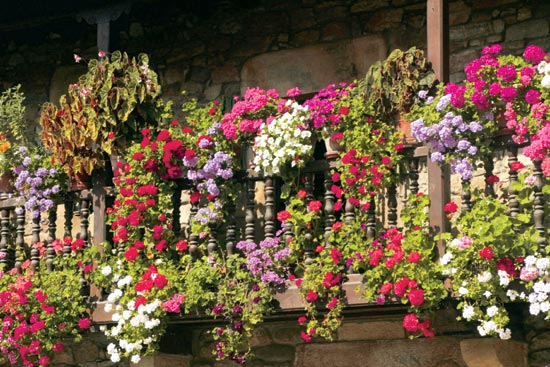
x: 404, y: 126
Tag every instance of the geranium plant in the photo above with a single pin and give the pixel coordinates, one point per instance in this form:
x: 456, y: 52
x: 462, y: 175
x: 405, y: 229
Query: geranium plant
x: 40, y: 309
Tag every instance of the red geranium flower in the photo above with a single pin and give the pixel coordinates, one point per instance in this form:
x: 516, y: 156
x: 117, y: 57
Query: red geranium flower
x: 450, y: 207
x: 486, y: 253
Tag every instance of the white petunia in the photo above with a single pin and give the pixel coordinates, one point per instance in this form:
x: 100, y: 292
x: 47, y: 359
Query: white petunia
x: 106, y: 270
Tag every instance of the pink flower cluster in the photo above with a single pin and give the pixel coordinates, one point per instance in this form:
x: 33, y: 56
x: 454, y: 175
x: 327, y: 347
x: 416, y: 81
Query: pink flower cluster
x: 325, y: 105
x: 247, y: 115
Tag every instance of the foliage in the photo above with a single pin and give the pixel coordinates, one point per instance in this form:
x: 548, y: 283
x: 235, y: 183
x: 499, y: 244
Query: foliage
x: 12, y: 126
x: 103, y: 112
x: 399, y: 266
x: 38, y: 181
x: 391, y: 85
x: 41, y: 309
x: 485, y: 258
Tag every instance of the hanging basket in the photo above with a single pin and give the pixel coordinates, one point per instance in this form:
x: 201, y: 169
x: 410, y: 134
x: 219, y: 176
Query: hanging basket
x: 80, y: 181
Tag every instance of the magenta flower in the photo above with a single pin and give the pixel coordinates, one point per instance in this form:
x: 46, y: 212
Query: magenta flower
x: 532, y: 97
x: 534, y: 54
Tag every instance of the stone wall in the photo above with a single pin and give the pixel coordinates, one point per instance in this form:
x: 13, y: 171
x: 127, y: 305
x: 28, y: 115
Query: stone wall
x: 206, y: 51
x: 361, y: 341
x: 217, y: 51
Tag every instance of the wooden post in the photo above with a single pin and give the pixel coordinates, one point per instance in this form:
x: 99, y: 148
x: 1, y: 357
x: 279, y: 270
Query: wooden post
x: 438, y: 54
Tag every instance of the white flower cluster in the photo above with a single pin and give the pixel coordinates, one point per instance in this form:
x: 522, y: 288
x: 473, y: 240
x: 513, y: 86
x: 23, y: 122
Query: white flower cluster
x: 128, y: 317
x: 284, y: 140
x: 544, y: 68
x: 537, y: 269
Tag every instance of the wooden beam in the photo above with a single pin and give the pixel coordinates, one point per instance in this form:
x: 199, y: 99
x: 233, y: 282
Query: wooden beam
x: 438, y: 54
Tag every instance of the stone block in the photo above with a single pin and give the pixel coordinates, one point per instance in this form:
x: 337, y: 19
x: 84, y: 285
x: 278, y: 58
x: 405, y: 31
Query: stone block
x: 274, y: 353
x: 469, y: 31
x: 524, y: 14
x: 85, y: 351
x: 327, y: 14
x: 382, y: 353
x: 306, y: 37
x: 260, y: 337
x: 372, y: 330
x: 494, y: 353
x: 302, y: 19
x: 337, y: 61
x: 335, y: 31
x: 461, y: 59
x: 369, y: 5
x: 385, y: 19
x: 459, y: 13
x: 286, y: 333
x: 212, y: 91
x: 487, y: 4
x: 62, y: 77
x: 225, y: 73
x: 529, y: 29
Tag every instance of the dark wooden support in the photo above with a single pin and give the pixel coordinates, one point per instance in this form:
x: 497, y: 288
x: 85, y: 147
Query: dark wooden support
x: 176, y: 212
x: 466, y: 197
x: 193, y: 238
x: 19, y: 238
x: 99, y: 197
x: 392, y: 206
x: 538, y: 207
x: 489, y: 166
x: 513, y: 204
x: 212, y: 246
x: 85, y: 199
x: 349, y: 212
x: 50, y: 253
x: 371, y: 219
x: 34, y: 242
x: 269, y: 219
x: 309, y: 250
x: 68, y: 216
x: 230, y: 230
x: 413, y: 176
x: 250, y: 217
x: 4, y: 238
x: 330, y: 199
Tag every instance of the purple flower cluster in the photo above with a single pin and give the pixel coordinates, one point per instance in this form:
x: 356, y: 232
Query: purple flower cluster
x: 31, y: 185
x: 218, y: 165
x: 206, y: 215
x: 449, y: 136
x: 264, y: 259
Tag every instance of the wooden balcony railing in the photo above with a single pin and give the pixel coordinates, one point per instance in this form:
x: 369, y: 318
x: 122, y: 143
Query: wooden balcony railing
x: 254, y: 214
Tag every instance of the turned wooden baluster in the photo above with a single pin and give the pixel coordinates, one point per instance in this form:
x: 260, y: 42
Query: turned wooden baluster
x: 371, y: 219
x: 330, y: 199
x: 231, y: 232
x: 50, y: 253
x: 489, y: 165
x: 538, y: 207
x: 269, y: 220
x: 4, y: 238
x: 84, y: 214
x: 513, y: 204
x: 349, y: 212
x: 250, y: 217
x: 413, y: 176
x: 35, y: 230
x: 19, y: 238
x: 392, y: 206
x: 309, y: 250
x: 176, y: 212
x: 212, y: 246
x: 466, y: 197
x: 193, y: 238
x: 68, y: 224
